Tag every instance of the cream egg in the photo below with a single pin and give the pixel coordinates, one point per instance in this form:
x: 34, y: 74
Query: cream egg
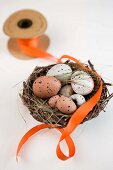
x: 66, y: 90
x: 82, y: 83
x: 80, y: 100
x: 62, y: 72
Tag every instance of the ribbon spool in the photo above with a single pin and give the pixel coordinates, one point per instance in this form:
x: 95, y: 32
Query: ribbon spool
x: 26, y: 27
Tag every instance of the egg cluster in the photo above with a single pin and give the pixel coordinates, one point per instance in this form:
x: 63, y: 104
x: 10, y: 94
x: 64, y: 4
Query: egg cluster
x: 63, y: 88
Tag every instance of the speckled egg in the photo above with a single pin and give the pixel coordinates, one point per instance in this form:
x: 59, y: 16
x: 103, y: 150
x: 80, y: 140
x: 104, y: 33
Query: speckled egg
x: 46, y: 86
x: 66, y: 90
x: 62, y: 72
x: 53, y: 100
x: 80, y: 100
x: 66, y: 105
x: 82, y: 83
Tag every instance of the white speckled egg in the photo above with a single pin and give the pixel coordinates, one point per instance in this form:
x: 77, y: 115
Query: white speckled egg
x: 78, y: 98
x: 66, y: 90
x: 62, y: 72
x: 46, y: 86
x: 82, y: 83
x: 53, y: 100
x: 66, y: 105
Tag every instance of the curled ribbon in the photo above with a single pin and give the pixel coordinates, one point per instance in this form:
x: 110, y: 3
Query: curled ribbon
x: 29, y: 47
x: 74, y: 121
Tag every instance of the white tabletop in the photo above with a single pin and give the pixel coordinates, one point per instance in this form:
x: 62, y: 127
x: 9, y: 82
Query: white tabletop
x: 80, y: 28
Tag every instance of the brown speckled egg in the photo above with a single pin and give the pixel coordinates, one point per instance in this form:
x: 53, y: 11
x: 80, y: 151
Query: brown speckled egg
x: 53, y: 100
x: 46, y: 86
x: 66, y: 105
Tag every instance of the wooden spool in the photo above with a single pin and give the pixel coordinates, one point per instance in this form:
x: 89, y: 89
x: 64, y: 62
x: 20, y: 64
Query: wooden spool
x: 25, y: 24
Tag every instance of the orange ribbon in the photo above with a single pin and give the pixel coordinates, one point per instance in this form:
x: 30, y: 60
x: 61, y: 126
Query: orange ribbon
x: 29, y: 47
x: 74, y: 121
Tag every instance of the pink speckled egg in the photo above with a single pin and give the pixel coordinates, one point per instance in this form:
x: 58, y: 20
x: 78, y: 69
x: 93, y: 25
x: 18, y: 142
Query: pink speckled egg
x: 46, y: 86
x: 53, y: 100
x: 66, y: 105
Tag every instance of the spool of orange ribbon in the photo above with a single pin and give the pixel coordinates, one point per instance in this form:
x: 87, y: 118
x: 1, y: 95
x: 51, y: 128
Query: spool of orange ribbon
x: 26, y: 31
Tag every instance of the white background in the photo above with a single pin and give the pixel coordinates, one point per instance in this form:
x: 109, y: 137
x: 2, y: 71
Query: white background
x: 81, y: 28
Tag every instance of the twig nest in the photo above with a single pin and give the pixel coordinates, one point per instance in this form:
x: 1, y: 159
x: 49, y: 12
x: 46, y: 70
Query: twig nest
x: 54, y: 108
x: 66, y: 105
x: 53, y: 100
x: 78, y: 98
x: 61, y: 71
x: 82, y: 83
x: 46, y: 86
x: 66, y: 90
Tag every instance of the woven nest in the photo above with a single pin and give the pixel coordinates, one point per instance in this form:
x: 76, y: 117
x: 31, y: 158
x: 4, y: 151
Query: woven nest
x: 41, y: 111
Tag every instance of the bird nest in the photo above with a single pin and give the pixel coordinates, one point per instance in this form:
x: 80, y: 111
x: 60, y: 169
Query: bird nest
x: 40, y: 109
